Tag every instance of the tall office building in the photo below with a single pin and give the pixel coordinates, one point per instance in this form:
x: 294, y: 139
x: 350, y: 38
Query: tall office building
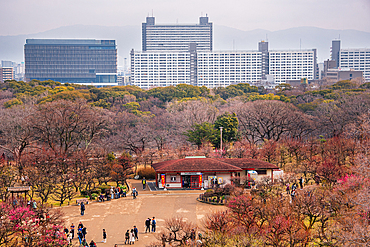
x: 335, y: 50
x: 263, y: 47
x: 356, y: 59
x: 89, y: 62
x: 176, y: 37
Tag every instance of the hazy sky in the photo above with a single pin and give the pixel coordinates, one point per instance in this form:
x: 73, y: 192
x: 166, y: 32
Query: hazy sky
x: 32, y: 16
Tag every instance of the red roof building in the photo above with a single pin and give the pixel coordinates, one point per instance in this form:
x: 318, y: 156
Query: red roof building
x: 202, y: 172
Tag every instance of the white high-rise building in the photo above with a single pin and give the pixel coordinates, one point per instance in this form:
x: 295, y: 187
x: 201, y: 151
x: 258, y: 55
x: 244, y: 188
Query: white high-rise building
x: 176, y: 37
x: 175, y: 54
x: 292, y: 65
x: 356, y: 59
x: 210, y: 69
x: 159, y: 69
x: 223, y: 68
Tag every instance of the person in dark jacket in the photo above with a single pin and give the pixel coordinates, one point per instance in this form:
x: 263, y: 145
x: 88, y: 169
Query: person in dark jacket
x: 147, y: 225
x: 82, y: 208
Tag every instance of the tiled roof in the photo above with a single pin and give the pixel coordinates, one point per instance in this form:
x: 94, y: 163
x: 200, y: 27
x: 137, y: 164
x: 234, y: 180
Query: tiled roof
x: 246, y: 163
x: 195, y: 165
x: 211, y: 165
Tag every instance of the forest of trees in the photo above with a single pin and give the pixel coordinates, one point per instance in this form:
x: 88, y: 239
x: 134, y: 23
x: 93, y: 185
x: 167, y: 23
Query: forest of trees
x: 62, y: 138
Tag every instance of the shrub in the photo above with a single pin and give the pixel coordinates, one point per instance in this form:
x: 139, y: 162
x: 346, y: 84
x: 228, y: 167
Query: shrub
x: 148, y: 173
x: 104, y: 187
x: 96, y: 191
x: 94, y: 196
x: 123, y: 187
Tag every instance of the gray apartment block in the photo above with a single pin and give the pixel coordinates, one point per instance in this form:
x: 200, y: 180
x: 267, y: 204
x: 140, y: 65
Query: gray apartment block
x: 89, y: 62
x: 176, y: 37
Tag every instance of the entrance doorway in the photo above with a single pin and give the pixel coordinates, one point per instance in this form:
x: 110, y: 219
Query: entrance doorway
x: 190, y: 182
x: 186, y: 181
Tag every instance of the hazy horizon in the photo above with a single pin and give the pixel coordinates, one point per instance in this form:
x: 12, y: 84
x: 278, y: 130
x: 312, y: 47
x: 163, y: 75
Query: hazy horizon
x: 28, y: 17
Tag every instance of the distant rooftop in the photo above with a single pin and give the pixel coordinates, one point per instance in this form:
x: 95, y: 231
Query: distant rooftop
x: 69, y: 42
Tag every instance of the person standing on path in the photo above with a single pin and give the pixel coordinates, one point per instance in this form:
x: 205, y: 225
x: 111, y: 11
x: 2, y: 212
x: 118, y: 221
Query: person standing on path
x: 72, y: 227
x: 136, y: 231
x: 80, y: 225
x: 132, y: 237
x: 104, y: 236
x: 82, y: 208
x: 144, y: 183
x: 127, y: 237
x: 134, y: 193
x: 154, y: 224
x: 84, y: 232
x: 147, y: 225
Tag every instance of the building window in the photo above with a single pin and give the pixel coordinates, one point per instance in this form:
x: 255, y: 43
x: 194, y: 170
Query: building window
x: 173, y: 178
x: 261, y: 172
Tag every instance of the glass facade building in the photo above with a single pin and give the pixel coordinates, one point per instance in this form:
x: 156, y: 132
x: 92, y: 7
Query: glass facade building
x: 89, y: 62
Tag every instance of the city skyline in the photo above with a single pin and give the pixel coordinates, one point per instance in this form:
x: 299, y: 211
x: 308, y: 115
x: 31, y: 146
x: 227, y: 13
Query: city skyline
x: 25, y: 17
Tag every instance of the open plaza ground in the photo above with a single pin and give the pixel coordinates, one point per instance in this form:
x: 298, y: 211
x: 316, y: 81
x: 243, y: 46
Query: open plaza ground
x: 119, y: 215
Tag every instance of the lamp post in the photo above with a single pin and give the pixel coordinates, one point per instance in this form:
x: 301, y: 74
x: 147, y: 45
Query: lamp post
x: 221, y: 140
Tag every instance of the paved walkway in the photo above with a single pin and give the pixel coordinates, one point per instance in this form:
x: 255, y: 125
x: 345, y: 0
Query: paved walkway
x: 119, y: 215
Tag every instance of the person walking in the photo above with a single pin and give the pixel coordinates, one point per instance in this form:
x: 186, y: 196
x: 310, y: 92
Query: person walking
x: 144, y: 183
x: 80, y: 236
x: 127, y: 237
x: 287, y: 189
x: 104, y: 236
x: 82, y: 208
x: 154, y: 224
x: 136, y: 231
x: 293, y: 194
x: 134, y: 193
x: 132, y: 237
x: 147, y: 225
x: 301, y: 180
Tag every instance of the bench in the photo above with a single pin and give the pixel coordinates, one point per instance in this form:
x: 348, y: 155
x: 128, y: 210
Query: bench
x: 84, y: 200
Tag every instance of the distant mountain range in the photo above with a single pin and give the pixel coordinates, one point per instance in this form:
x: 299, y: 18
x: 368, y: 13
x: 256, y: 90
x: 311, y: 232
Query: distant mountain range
x: 225, y: 38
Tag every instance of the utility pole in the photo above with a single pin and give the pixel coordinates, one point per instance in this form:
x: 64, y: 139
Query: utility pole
x: 221, y: 140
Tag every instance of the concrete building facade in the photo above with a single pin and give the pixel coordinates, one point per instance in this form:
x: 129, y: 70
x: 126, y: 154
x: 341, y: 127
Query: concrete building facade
x: 292, y: 65
x: 356, y: 59
x: 6, y: 73
x: 176, y: 37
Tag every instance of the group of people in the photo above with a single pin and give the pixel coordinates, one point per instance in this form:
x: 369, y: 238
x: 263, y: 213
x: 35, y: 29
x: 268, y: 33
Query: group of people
x: 292, y: 190
x: 150, y: 222
x: 81, y: 234
x: 112, y: 193
x: 131, y: 236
